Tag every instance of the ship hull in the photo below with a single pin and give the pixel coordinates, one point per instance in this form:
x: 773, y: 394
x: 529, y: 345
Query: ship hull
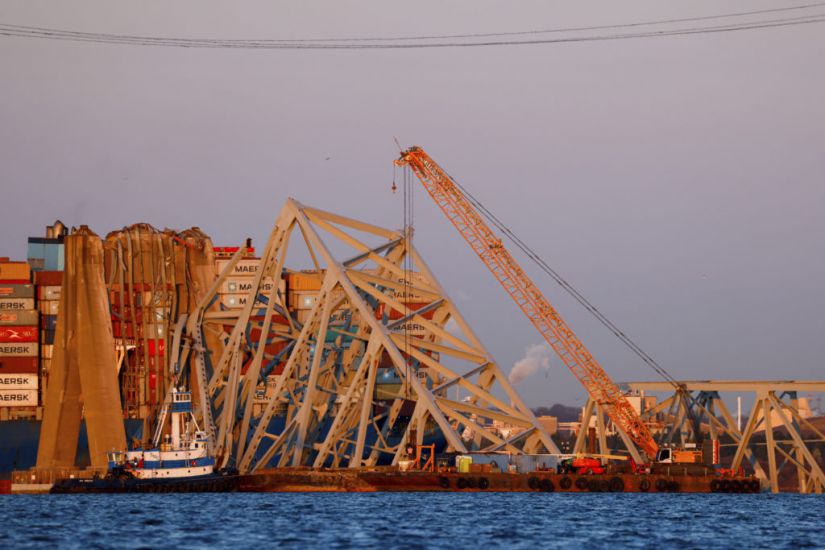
x: 213, y: 483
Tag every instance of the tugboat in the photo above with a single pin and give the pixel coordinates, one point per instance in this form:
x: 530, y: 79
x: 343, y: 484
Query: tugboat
x: 180, y: 464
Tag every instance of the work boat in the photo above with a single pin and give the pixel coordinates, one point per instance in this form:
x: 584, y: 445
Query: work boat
x: 181, y: 463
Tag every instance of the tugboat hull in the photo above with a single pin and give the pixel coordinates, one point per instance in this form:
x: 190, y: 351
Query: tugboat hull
x: 213, y: 483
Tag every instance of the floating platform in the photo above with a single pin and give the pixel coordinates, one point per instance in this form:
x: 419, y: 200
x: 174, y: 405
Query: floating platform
x: 307, y: 480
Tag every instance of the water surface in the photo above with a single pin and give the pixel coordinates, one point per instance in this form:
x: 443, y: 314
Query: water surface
x: 410, y: 520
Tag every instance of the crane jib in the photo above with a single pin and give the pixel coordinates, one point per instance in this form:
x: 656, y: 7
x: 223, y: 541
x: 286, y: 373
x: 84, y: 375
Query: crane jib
x: 528, y: 297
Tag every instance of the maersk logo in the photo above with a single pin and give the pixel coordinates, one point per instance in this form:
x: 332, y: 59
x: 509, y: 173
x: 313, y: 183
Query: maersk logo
x: 9, y: 381
x: 13, y: 350
x: 13, y: 305
x: 14, y: 397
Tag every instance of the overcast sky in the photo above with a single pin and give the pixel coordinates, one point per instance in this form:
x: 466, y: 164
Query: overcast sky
x: 677, y: 181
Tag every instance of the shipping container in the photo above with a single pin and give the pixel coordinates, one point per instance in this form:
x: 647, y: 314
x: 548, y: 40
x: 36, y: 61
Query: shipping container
x: 305, y: 280
x: 15, y: 271
x: 244, y: 268
x: 47, y: 336
x: 18, y: 381
x: 156, y: 346
x: 129, y: 330
x: 48, y: 322
x: 223, y: 252
x: 21, y: 349
x: 49, y: 292
x: 302, y: 299
x: 16, y: 291
x: 18, y: 318
x: 15, y: 365
x: 48, y: 278
x: 18, y: 334
x: 49, y: 307
x: 395, y: 315
x: 18, y: 398
x: 237, y: 301
x: 16, y: 304
x: 242, y: 285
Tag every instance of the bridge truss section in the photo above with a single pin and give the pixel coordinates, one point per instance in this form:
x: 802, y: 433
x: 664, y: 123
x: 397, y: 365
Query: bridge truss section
x: 383, y: 359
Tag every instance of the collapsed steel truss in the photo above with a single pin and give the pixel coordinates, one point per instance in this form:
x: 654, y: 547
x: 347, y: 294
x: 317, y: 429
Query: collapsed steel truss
x: 775, y: 407
x: 322, y: 409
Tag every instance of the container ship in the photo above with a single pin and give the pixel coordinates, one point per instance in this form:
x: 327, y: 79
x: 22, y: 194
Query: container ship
x: 145, y: 299
x: 30, y: 293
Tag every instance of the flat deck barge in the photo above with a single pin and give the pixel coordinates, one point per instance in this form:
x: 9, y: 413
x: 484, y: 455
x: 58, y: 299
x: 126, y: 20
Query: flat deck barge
x: 306, y: 480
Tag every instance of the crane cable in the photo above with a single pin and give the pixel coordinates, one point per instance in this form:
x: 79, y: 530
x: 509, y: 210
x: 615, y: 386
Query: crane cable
x: 570, y: 289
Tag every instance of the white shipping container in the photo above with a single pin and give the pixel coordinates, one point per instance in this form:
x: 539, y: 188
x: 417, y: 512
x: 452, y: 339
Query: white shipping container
x: 241, y: 285
x: 18, y: 381
x: 49, y: 307
x: 18, y: 398
x: 50, y: 292
x: 412, y: 328
x: 237, y: 301
x: 244, y: 268
x: 16, y: 304
x: 18, y: 349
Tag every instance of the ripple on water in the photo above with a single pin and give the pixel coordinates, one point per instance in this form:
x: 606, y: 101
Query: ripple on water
x: 411, y: 520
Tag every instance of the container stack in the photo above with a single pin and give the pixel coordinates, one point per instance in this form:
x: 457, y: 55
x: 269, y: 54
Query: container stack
x: 139, y: 313
x: 235, y: 289
x: 48, y: 285
x: 302, y: 292
x: 19, y: 381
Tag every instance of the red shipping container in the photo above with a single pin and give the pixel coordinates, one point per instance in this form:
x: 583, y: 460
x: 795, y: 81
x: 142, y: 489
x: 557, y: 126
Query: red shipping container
x: 48, y: 278
x: 159, y: 345
x: 18, y: 334
x: 396, y: 315
x: 18, y: 365
x: 15, y: 282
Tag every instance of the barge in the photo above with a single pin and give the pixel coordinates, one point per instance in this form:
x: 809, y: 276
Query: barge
x: 307, y: 480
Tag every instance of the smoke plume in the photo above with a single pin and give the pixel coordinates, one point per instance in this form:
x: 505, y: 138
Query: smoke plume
x: 536, y: 358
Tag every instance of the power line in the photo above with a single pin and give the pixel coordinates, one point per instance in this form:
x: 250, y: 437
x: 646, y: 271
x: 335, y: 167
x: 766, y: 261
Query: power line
x: 10, y: 30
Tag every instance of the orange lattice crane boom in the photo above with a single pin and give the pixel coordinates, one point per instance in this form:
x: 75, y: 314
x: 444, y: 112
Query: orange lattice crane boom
x: 466, y: 218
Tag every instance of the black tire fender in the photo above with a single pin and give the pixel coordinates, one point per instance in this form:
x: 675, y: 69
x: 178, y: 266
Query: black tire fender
x: 444, y: 482
x: 582, y: 484
x: 565, y: 483
x: 644, y: 485
x: 661, y: 485
x: 674, y: 487
x: 483, y: 483
x: 462, y: 483
x: 547, y: 485
x: 616, y: 485
x: 533, y: 482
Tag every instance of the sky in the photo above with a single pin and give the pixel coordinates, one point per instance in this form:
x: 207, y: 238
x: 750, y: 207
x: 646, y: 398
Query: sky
x: 677, y: 182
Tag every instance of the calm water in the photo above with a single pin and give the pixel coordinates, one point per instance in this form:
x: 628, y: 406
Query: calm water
x: 413, y: 521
